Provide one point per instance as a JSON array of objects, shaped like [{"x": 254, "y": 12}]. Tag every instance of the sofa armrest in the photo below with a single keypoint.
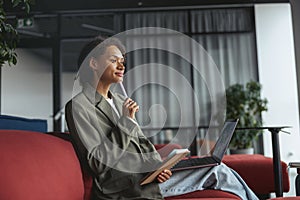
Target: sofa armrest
[
  {"x": 38, "y": 166},
  {"x": 297, "y": 180},
  {"x": 257, "y": 172}
]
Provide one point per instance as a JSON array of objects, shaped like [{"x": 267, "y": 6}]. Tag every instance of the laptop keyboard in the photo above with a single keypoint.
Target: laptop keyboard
[{"x": 194, "y": 162}]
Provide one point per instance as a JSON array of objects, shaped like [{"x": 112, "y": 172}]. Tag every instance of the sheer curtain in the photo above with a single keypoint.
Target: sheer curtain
[
  {"x": 228, "y": 37},
  {"x": 157, "y": 77}
]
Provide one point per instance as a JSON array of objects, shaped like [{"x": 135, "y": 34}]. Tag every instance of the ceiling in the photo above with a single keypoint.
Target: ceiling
[
  {"x": 72, "y": 31},
  {"x": 80, "y": 5},
  {"x": 70, "y": 24}
]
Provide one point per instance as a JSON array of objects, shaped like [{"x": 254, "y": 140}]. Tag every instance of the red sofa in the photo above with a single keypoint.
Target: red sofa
[{"x": 39, "y": 166}]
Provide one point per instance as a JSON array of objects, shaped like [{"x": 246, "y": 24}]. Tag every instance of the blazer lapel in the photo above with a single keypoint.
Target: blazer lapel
[
  {"x": 100, "y": 103},
  {"x": 107, "y": 110},
  {"x": 118, "y": 103}
]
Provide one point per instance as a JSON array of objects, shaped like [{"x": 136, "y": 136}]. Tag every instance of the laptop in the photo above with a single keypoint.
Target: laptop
[{"x": 215, "y": 156}]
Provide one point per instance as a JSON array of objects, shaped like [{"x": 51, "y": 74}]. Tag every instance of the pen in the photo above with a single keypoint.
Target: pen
[{"x": 123, "y": 90}]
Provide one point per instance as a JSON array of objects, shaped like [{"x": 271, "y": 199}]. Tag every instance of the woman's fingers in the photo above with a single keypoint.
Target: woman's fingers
[
  {"x": 168, "y": 172},
  {"x": 127, "y": 102},
  {"x": 164, "y": 176},
  {"x": 161, "y": 178},
  {"x": 131, "y": 107}
]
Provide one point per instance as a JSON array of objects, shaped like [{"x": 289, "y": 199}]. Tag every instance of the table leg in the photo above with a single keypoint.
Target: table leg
[{"x": 277, "y": 163}]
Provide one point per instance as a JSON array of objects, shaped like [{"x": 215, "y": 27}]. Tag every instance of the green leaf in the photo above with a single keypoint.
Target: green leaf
[
  {"x": 16, "y": 2},
  {"x": 27, "y": 8},
  {"x": 14, "y": 60}
]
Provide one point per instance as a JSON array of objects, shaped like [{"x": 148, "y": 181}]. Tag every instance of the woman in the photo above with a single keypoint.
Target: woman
[{"x": 111, "y": 145}]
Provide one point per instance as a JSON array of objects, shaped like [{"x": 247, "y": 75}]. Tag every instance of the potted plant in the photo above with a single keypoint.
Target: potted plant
[
  {"x": 8, "y": 33},
  {"x": 245, "y": 103}
]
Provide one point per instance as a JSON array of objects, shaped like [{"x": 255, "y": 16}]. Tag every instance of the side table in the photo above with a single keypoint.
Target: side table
[{"x": 276, "y": 153}]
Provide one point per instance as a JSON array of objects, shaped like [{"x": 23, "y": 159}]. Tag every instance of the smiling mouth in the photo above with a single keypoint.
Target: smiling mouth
[{"x": 119, "y": 74}]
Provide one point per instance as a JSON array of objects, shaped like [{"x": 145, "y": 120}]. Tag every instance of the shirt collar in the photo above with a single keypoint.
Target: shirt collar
[{"x": 92, "y": 94}]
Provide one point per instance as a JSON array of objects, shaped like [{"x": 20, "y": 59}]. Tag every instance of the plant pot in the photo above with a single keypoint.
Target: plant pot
[{"x": 242, "y": 151}]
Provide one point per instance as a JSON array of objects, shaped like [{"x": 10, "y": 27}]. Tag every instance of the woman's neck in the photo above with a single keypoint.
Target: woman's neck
[{"x": 103, "y": 89}]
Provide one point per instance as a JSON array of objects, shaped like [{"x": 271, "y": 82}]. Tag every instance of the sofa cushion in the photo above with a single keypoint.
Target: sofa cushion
[
  {"x": 87, "y": 178},
  {"x": 286, "y": 198},
  {"x": 257, "y": 171},
  {"x": 205, "y": 194},
  {"x": 38, "y": 166}
]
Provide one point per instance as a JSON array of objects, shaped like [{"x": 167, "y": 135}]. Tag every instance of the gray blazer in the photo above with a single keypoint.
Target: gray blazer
[{"x": 112, "y": 148}]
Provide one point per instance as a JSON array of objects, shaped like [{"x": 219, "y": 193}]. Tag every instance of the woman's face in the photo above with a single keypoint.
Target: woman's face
[{"x": 112, "y": 62}]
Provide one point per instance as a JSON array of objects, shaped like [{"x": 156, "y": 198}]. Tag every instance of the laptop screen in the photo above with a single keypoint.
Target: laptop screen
[{"x": 224, "y": 138}]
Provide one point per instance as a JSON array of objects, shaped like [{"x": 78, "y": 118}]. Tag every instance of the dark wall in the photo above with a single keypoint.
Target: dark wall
[
  {"x": 296, "y": 25},
  {"x": 82, "y": 5}
]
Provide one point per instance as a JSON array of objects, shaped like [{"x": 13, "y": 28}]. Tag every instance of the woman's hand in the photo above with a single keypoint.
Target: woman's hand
[
  {"x": 130, "y": 107},
  {"x": 164, "y": 176}
]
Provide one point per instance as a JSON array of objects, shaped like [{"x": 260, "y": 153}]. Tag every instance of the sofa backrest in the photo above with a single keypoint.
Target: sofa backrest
[
  {"x": 21, "y": 123},
  {"x": 38, "y": 166}
]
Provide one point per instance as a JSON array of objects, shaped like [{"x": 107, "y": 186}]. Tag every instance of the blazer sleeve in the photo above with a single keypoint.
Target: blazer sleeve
[{"x": 104, "y": 146}]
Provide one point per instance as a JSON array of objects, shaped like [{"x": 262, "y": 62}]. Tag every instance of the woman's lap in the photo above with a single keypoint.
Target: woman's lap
[{"x": 218, "y": 177}]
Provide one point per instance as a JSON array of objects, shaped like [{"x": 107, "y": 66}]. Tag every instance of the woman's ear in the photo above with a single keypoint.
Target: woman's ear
[{"x": 93, "y": 63}]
